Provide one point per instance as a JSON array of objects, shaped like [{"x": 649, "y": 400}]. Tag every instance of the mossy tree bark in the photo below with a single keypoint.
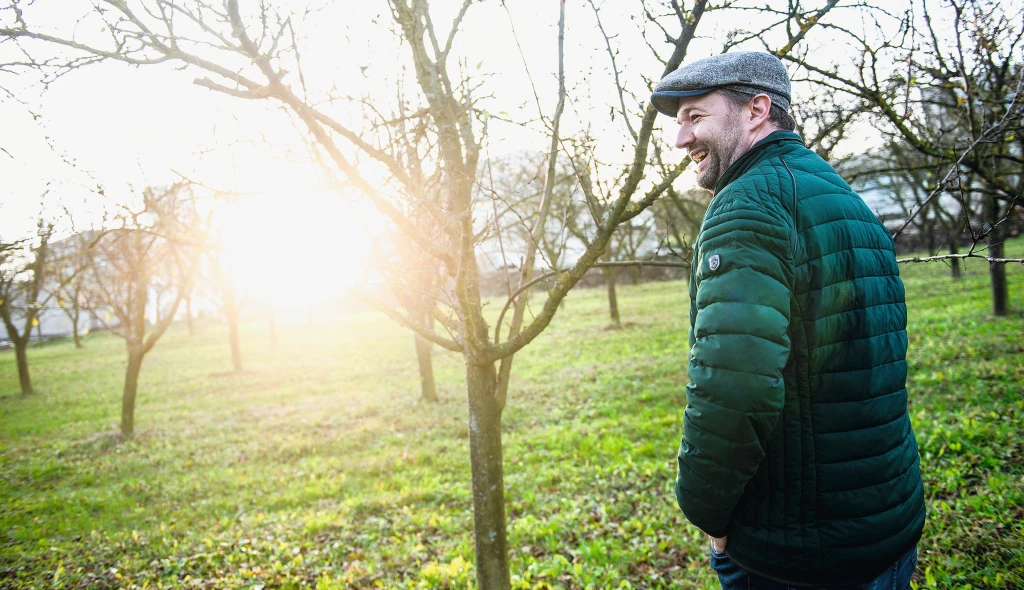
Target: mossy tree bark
[{"x": 489, "y": 531}]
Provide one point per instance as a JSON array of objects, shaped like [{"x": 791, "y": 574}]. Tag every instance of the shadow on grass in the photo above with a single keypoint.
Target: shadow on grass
[
  {"x": 242, "y": 373},
  {"x": 16, "y": 395}
]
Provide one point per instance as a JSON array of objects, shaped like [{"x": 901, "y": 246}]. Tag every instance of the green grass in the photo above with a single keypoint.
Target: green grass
[{"x": 319, "y": 466}]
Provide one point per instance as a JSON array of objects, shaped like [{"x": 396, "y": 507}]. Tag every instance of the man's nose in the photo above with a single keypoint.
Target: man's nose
[{"x": 685, "y": 136}]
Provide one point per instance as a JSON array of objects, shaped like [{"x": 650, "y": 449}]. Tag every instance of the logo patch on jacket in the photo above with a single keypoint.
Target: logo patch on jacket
[{"x": 714, "y": 261}]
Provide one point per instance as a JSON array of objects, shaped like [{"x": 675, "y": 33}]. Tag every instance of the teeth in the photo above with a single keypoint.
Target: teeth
[{"x": 698, "y": 156}]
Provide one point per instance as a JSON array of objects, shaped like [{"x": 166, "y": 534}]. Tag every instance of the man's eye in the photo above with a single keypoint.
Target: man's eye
[{"x": 695, "y": 118}]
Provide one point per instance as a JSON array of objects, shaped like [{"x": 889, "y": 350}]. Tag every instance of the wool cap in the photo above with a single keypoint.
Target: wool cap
[{"x": 749, "y": 72}]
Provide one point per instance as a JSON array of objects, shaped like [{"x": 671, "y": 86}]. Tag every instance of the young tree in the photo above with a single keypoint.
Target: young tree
[
  {"x": 256, "y": 56},
  {"x": 630, "y": 238},
  {"x": 124, "y": 266},
  {"x": 230, "y": 306},
  {"x": 411, "y": 276},
  {"x": 24, "y": 268},
  {"x": 514, "y": 187},
  {"x": 68, "y": 278},
  {"x": 587, "y": 222},
  {"x": 416, "y": 293}
]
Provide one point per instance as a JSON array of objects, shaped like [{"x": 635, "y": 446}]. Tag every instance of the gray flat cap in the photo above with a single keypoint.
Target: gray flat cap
[{"x": 750, "y": 72}]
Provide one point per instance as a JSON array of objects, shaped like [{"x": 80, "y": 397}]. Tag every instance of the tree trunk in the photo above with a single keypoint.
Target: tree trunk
[
  {"x": 39, "y": 335},
  {"x": 954, "y": 248},
  {"x": 609, "y": 279},
  {"x": 997, "y": 272},
  {"x": 929, "y": 234},
  {"x": 236, "y": 351},
  {"x": 426, "y": 363},
  {"x": 425, "y": 358},
  {"x": 75, "y": 334},
  {"x": 491, "y": 542},
  {"x": 21, "y": 356},
  {"x": 188, "y": 316},
  {"x": 131, "y": 388},
  {"x": 613, "y": 299}
]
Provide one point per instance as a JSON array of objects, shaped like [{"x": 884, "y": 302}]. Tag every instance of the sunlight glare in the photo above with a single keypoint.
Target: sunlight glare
[{"x": 295, "y": 251}]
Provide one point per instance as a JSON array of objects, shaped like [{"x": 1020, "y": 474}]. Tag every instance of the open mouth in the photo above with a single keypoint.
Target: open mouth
[{"x": 698, "y": 156}]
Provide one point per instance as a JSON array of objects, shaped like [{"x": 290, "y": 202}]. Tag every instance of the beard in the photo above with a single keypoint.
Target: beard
[
  {"x": 721, "y": 154},
  {"x": 708, "y": 179}
]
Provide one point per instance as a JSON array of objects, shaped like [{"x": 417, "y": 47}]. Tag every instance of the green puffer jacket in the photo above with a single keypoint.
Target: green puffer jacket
[{"x": 796, "y": 438}]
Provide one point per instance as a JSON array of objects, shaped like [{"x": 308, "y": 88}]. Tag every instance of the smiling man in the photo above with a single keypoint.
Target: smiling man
[{"x": 797, "y": 458}]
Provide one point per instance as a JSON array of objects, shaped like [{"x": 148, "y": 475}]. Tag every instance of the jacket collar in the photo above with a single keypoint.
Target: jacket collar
[{"x": 754, "y": 155}]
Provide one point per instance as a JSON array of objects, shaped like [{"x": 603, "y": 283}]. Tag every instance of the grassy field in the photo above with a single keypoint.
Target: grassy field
[{"x": 319, "y": 466}]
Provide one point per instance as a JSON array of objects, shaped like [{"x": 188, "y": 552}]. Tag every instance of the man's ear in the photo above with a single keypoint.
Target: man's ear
[{"x": 760, "y": 105}]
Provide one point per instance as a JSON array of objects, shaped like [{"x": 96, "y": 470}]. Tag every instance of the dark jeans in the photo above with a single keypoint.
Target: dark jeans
[{"x": 733, "y": 577}]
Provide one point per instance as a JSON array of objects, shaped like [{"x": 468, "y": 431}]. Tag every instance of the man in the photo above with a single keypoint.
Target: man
[{"x": 797, "y": 455}]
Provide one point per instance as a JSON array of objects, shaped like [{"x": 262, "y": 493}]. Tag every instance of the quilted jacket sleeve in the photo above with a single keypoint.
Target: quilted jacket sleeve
[{"x": 739, "y": 346}]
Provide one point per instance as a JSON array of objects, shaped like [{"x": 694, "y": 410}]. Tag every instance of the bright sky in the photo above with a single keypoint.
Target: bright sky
[{"x": 128, "y": 127}]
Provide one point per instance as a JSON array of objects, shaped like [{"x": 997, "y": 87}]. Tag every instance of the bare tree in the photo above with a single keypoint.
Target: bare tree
[
  {"x": 514, "y": 186},
  {"x": 824, "y": 120},
  {"x": 256, "y": 56},
  {"x": 598, "y": 196},
  {"x": 420, "y": 306},
  {"x": 24, "y": 268},
  {"x": 122, "y": 272},
  {"x": 67, "y": 279},
  {"x": 229, "y": 304},
  {"x": 412, "y": 276},
  {"x": 946, "y": 83},
  {"x": 413, "y": 285}
]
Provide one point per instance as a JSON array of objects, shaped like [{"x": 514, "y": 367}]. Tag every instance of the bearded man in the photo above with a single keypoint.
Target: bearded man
[{"x": 797, "y": 457}]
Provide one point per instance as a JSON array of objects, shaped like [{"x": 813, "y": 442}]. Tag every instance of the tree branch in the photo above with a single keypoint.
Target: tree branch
[{"x": 406, "y": 322}]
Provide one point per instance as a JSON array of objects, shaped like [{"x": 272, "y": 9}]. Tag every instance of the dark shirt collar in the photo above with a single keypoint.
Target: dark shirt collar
[{"x": 754, "y": 155}]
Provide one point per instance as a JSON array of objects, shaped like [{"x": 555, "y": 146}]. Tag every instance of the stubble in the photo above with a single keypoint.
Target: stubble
[{"x": 721, "y": 154}]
